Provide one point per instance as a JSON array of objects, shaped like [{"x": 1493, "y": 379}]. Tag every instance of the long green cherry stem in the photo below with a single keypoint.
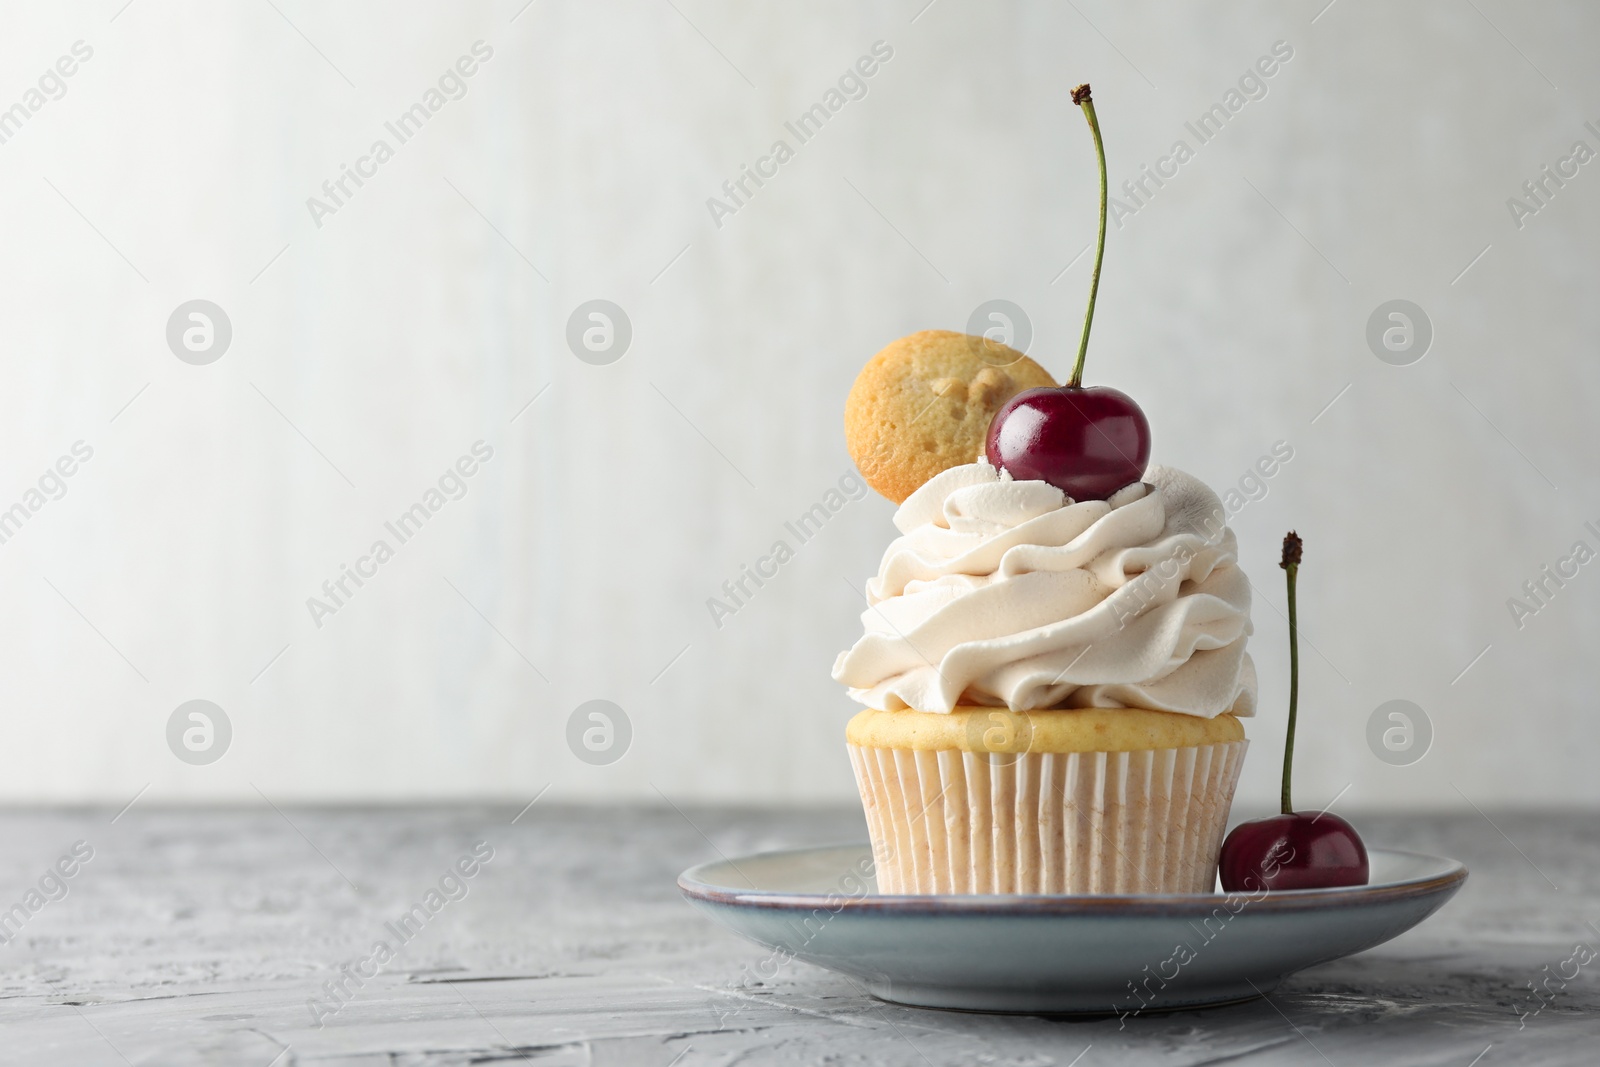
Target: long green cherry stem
[
  {"x": 1080, "y": 96},
  {"x": 1292, "y": 547}
]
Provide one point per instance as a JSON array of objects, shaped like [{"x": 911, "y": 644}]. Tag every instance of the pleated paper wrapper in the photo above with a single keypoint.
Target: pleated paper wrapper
[{"x": 1140, "y": 822}]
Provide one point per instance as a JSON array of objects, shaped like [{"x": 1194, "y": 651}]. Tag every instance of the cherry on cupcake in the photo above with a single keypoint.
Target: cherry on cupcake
[
  {"x": 1087, "y": 442},
  {"x": 1294, "y": 850}
]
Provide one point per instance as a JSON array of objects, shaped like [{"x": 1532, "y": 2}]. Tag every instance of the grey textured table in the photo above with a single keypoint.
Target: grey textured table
[{"x": 213, "y": 936}]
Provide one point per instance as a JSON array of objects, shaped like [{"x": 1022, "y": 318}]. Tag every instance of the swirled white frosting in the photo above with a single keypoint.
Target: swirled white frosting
[{"x": 1007, "y": 593}]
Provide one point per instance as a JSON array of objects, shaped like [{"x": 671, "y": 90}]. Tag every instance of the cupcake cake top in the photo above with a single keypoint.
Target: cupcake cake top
[
  {"x": 1009, "y": 593},
  {"x": 1059, "y": 570}
]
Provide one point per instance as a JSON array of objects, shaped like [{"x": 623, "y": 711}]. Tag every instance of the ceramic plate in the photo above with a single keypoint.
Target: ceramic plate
[{"x": 1099, "y": 954}]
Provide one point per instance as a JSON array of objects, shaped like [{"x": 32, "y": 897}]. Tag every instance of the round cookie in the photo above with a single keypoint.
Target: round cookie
[{"x": 924, "y": 403}]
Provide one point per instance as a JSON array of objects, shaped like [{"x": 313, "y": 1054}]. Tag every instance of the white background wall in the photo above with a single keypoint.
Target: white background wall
[{"x": 370, "y": 352}]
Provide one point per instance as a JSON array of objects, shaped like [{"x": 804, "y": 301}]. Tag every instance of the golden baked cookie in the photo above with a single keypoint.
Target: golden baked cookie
[{"x": 924, "y": 403}]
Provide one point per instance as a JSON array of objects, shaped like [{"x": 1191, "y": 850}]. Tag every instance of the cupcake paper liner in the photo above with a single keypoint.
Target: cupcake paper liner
[{"x": 1149, "y": 821}]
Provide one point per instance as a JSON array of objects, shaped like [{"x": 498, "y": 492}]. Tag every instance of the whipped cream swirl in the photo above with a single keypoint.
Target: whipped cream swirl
[{"x": 1007, "y": 593}]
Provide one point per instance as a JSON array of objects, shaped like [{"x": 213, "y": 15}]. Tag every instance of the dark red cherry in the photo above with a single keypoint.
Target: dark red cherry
[
  {"x": 1305, "y": 850},
  {"x": 1297, "y": 849},
  {"x": 1086, "y": 442}
]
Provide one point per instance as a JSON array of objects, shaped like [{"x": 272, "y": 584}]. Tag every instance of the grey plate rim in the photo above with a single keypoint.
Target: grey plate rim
[{"x": 695, "y": 886}]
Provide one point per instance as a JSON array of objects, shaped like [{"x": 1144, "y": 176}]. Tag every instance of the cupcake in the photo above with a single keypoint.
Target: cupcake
[
  {"x": 1053, "y": 688},
  {"x": 1054, "y": 660}
]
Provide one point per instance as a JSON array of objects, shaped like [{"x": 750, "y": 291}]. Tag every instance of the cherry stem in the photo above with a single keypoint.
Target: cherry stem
[
  {"x": 1291, "y": 565},
  {"x": 1080, "y": 96}
]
